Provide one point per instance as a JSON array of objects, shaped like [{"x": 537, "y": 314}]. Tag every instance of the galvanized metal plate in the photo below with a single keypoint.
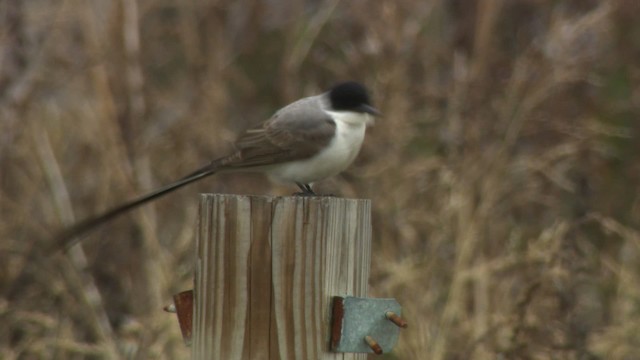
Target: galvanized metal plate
[{"x": 356, "y": 318}]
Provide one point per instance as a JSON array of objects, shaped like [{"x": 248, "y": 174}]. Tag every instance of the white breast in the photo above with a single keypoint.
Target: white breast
[{"x": 336, "y": 157}]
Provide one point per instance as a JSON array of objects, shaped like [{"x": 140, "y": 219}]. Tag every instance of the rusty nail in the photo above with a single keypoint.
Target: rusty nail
[
  {"x": 394, "y": 318},
  {"x": 373, "y": 345}
]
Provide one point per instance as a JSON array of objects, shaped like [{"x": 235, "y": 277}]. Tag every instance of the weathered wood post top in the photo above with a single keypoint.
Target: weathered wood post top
[{"x": 267, "y": 269}]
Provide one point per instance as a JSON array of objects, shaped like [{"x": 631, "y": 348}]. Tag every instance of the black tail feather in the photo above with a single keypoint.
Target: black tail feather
[{"x": 72, "y": 235}]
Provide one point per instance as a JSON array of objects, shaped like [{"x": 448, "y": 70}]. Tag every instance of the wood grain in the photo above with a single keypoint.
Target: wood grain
[{"x": 266, "y": 269}]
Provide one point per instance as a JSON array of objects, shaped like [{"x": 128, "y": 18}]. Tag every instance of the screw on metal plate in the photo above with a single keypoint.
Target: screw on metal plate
[
  {"x": 365, "y": 325},
  {"x": 183, "y": 307}
]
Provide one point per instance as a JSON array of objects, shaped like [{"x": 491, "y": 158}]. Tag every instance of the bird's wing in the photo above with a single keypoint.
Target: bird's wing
[{"x": 296, "y": 132}]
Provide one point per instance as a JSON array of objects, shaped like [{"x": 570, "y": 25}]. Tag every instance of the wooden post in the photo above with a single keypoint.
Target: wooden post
[{"x": 266, "y": 271}]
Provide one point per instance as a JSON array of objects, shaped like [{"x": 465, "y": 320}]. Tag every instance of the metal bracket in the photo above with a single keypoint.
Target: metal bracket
[
  {"x": 183, "y": 307},
  {"x": 365, "y": 325},
  {"x": 359, "y": 325}
]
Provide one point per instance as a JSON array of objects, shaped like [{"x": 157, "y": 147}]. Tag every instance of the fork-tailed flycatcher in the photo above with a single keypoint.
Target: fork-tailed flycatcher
[{"x": 308, "y": 140}]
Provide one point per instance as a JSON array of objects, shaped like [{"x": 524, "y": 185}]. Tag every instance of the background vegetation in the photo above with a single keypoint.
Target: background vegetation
[{"x": 504, "y": 177}]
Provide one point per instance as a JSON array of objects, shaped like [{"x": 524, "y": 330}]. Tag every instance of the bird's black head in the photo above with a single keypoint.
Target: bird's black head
[{"x": 351, "y": 96}]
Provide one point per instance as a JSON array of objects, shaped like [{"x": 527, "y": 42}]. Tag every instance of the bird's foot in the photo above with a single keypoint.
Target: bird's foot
[
  {"x": 312, "y": 194},
  {"x": 308, "y": 191},
  {"x": 305, "y": 194}
]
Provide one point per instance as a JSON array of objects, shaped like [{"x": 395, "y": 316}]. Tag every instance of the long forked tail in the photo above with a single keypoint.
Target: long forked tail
[{"x": 72, "y": 235}]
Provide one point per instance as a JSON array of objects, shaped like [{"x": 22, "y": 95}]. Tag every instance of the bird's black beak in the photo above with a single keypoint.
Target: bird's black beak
[{"x": 365, "y": 108}]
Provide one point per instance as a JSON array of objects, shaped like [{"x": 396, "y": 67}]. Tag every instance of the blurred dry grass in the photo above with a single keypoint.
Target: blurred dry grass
[{"x": 505, "y": 176}]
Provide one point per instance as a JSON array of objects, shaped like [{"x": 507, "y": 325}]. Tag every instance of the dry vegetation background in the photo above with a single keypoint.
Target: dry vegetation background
[{"x": 504, "y": 177}]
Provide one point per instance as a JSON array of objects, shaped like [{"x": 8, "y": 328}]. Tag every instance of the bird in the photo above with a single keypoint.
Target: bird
[{"x": 308, "y": 140}]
